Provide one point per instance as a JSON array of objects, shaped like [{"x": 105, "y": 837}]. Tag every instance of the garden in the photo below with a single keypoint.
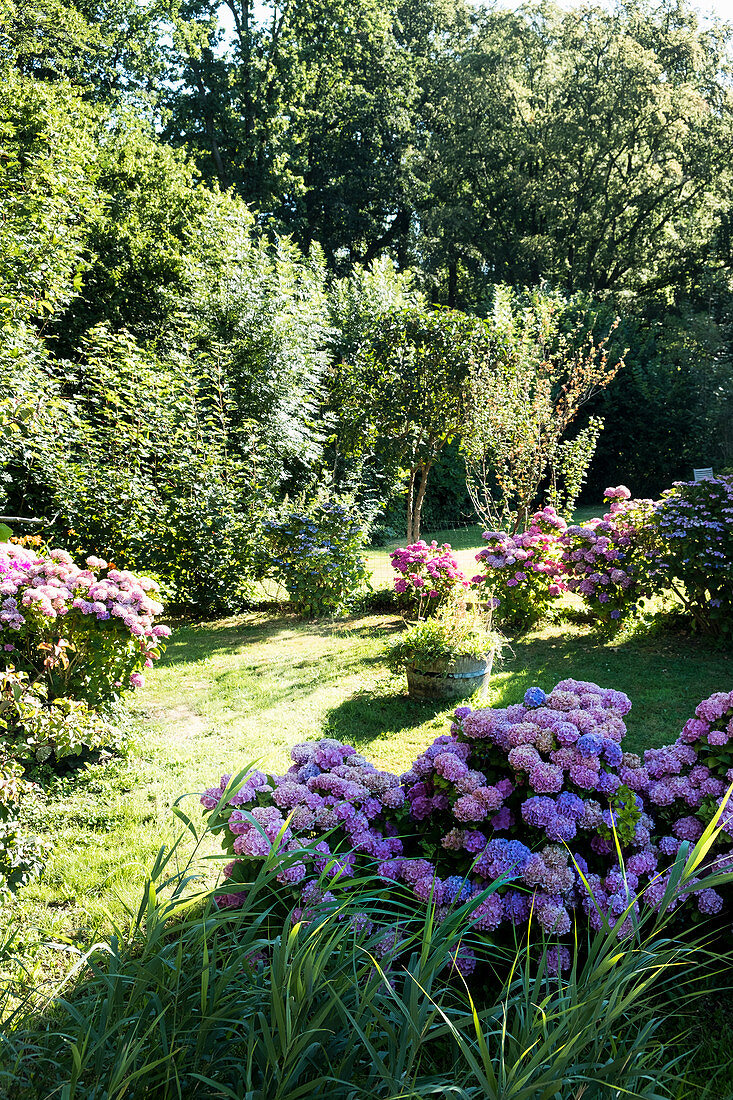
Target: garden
[
  {"x": 366, "y": 551},
  {"x": 276, "y": 870}
]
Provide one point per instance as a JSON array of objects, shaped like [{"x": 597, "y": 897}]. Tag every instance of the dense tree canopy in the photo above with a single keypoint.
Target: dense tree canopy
[
  {"x": 226, "y": 228},
  {"x": 588, "y": 148}
]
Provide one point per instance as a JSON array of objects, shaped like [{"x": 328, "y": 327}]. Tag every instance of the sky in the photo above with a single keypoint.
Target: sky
[
  {"x": 722, "y": 9},
  {"x": 718, "y": 9}
]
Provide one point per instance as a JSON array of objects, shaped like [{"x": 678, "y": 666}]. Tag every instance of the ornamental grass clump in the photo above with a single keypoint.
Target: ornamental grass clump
[
  {"x": 531, "y": 814},
  {"x": 197, "y": 999},
  {"x": 522, "y": 575},
  {"x": 612, "y": 562},
  {"x": 429, "y": 577}
]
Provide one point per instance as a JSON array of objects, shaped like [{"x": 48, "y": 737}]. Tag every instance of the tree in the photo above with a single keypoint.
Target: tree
[
  {"x": 109, "y": 51},
  {"x": 543, "y": 365},
  {"x": 589, "y": 148},
  {"x": 403, "y": 396},
  {"x": 308, "y": 113}
]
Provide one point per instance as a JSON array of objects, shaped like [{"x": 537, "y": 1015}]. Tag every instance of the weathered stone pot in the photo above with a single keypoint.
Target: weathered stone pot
[{"x": 449, "y": 679}]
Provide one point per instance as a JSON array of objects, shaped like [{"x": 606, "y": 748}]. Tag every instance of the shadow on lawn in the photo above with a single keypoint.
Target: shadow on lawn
[
  {"x": 194, "y": 642},
  {"x": 367, "y": 716}
]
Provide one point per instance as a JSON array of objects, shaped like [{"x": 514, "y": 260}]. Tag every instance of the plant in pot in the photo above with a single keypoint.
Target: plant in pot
[{"x": 449, "y": 656}]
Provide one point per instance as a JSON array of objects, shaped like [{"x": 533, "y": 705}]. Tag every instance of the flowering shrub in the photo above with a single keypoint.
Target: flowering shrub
[
  {"x": 686, "y": 783},
  {"x": 86, "y": 633},
  {"x": 522, "y": 574},
  {"x": 695, "y": 525},
  {"x": 611, "y": 561},
  {"x": 21, "y": 856},
  {"x": 531, "y": 800},
  {"x": 34, "y": 726},
  {"x": 429, "y": 576},
  {"x": 317, "y": 554}
]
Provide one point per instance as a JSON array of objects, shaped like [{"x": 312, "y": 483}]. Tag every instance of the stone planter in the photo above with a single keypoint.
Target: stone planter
[{"x": 449, "y": 679}]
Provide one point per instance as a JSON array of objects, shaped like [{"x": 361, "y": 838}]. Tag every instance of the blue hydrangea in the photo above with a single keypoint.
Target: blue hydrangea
[
  {"x": 456, "y": 890},
  {"x": 534, "y": 697},
  {"x": 590, "y": 744},
  {"x": 569, "y": 805},
  {"x": 613, "y": 752}
]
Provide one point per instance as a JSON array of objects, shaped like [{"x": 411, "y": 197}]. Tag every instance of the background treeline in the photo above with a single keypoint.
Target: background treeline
[{"x": 206, "y": 207}]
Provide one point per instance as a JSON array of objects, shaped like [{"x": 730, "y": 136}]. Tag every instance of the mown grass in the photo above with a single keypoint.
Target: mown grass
[
  {"x": 245, "y": 688},
  {"x": 234, "y": 690},
  {"x": 465, "y": 542}
]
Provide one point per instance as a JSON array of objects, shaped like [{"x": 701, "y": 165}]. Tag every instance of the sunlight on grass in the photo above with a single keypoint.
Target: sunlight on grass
[{"x": 247, "y": 688}]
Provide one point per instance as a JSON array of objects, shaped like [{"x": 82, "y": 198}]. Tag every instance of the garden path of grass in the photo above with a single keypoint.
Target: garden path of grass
[{"x": 235, "y": 690}]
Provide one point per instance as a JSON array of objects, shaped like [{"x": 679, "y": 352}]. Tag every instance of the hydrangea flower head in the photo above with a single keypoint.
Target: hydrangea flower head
[{"x": 534, "y": 697}]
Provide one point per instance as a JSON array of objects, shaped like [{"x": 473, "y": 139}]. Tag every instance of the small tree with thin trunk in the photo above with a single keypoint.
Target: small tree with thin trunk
[
  {"x": 520, "y": 401},
  {"x": 403, "y": 396}
]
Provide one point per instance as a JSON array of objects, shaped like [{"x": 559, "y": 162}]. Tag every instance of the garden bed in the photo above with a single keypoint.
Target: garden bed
[{"x": 236, "y": 690}]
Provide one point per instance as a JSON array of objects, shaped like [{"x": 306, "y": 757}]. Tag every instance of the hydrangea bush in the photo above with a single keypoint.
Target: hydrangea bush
[
  {"x": 21, "y": 856},
  {"x": 522, "y": 573},
  {"x": 86, "y": 633},
  {"x": 611, "y": 562},
  {"x": 687, "y": 783},
  {"x": 429, "y": 577},
  {"x": 694, "y": 521},
  {"x": 533, "y": 801},
  {"x": 317, "y": 554}
]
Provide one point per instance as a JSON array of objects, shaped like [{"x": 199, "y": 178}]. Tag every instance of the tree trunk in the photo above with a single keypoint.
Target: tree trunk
[
  {"x": 452, "y": 283},
  {"x": 410, "y": 505},
  {"x": 424, "y": 472}
]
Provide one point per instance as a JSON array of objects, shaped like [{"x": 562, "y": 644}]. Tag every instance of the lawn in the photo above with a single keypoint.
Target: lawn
[
  {"x": 245, "y": 688},
  {"x": 465, "y": 542},
  {"x": 234, "y": 690}
]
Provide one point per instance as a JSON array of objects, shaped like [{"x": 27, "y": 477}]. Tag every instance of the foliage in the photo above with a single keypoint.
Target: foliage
[
  {"x": 47, "y": 194},
  {"x": 523, "y": 574},
  {"x": 612, "y": 562},
  {"x": 159, "y": 445},
  {"x": 454, "y": 632},
  {"x": 167, "y": 175},
  {"x": 570, "y": 466},
  {"x": 694, "y": 522},
  {"x": 87, "y": 633},
  {"x": 485, "y": 815},
  {"x": 148, "y": 232},
  {"x": 316, "y": 552},
  {"x": 404, "y": 394},
  {"x": 522, "y": 398},
  {"x": 354, "y": 302},
  {"x": 37, "y": 728},
  {"x": 258, "y": 317},
  {"x": 668, "y": 411},
  {"x": 264, "y": 1004},
  {"x": 544, "y": 157},
  {"x": 147, "y": 472},
  {"x": 306, "y": 112},
  {"x": 429, "y": 576},
  {"x": 21, "y": 856}
]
